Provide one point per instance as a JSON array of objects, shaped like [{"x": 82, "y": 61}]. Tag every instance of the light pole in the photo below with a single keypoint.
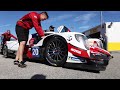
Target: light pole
[{"x": 101, "y": 18}]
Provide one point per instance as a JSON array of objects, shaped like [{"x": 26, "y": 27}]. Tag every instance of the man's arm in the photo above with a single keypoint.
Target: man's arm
[
  {"x": 13, "y": 36},
  {"x": 3, "y": 34},
  {"x": 37, "y": 25}
]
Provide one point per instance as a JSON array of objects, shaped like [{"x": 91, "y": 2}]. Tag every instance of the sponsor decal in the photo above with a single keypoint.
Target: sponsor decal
[
  {"x": 69, "y": 38},
  {"x": 75, "y": 50},
  {"x": 77, "y": 58}
]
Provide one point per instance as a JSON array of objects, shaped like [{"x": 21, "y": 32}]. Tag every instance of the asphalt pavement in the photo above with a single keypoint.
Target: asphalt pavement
[{"x": 38, "y": 70}]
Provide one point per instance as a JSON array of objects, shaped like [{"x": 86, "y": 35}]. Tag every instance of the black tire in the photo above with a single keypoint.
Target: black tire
[
  {"x": 1, "y": 49},
  {"x": 5, "y": 51},
  {"x": 56, "y": 51}
]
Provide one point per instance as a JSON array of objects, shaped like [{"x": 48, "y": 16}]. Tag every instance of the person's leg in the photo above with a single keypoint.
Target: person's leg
[
  {"x": 16, "y": 62},
  {"x": 23, "y": 43},
  {"x": 22, "y": 35},
  {"x": 21, "y": 50},
  {"x": 17, "y": 55}
]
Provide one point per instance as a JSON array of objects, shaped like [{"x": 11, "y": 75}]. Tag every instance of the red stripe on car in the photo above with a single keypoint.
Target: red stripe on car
[{"x": 77, "y": 51}]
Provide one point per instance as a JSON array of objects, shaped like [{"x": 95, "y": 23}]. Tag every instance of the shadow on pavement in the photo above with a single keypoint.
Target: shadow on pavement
[
  {"x": 67, "y": 67},
  {"x": 38, "y": 76},
  {"x": 38, "y": 61},
  {"x": 81, "y": 69}
]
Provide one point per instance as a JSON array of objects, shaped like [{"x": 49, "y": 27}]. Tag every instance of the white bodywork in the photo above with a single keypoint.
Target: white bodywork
[
  {"x": 70, "y": 38},
  {"x": 67, "y": 36},
  {"x": 12, "y": 45}
]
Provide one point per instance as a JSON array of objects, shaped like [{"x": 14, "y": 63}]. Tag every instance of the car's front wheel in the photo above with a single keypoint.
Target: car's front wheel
[
  {"x": 5, "y": 51},
  {"x": 56, "y": 51}
]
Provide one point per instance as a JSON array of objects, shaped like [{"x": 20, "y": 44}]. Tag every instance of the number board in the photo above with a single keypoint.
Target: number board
[{"x": 35, "y": 51}]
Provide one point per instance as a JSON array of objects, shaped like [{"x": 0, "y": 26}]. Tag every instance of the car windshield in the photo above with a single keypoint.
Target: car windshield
[{"x": 65, "y": 29}]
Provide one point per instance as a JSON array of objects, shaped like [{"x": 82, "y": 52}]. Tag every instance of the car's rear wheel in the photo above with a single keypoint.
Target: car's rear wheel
[
  {"x": 5, "y": 51},
  {"x": 56, "y": 51}
]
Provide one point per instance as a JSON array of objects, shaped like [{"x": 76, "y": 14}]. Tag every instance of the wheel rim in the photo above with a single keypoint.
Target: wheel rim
[{"x": 56, "y": 50}]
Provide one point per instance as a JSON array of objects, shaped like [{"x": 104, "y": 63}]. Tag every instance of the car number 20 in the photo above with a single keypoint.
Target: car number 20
[{"x": 35, "y": 51}]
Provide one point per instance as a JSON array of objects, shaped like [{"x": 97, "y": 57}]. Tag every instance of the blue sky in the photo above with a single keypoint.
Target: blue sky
[{"x": 77, "y": 21}]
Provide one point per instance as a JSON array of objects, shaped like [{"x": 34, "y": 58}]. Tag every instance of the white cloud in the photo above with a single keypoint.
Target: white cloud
[
  {"x": 5, "y": 25},
  {"x": 64, "y": 17},
  {"x": 85, "y": 18},
  {"x": 84, "y": 27},
  {"x": 58, "y": 18}
]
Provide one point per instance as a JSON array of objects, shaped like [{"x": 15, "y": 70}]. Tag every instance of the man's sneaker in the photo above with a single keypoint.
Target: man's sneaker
[
  {"x": 22, "y": 64},
  {"x": 16, "y": 62}
]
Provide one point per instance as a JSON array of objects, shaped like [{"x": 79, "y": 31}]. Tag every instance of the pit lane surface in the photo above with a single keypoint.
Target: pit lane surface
[{"x": 38, "y": 70}]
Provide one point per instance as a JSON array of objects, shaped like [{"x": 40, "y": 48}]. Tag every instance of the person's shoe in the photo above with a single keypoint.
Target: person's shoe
[
  {"x": 22, "y": 64},
  {"x": 16, "y": 62}
]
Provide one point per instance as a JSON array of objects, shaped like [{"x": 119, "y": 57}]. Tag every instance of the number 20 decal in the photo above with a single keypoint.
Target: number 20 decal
[{"x": 35, "y": 51}]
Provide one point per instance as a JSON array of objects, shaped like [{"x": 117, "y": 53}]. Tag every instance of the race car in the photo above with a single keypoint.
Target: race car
[{"x": 62, "y": 48}]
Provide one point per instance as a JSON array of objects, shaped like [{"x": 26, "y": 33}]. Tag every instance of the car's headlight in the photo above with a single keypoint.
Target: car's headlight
[{"x": 83, "y": 39}]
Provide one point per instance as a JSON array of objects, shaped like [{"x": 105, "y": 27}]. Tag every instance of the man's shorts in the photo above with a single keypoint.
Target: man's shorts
[{"x": 22, "y": 34}]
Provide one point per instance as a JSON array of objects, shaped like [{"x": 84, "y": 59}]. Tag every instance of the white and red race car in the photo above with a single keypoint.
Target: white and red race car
[{"x": 62, "y": 48}]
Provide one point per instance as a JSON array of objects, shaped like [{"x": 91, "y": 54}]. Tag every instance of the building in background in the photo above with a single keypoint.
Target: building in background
[{"x": 110, "y": 31}]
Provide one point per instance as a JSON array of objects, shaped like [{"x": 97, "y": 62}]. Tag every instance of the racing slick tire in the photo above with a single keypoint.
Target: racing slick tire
[
  {"x": 56, "y": 51},
  {"x": 5, "y": 51}
]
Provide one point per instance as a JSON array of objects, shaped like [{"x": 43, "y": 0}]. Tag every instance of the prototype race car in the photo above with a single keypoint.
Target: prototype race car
[{"x": 62, "y": 48}]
